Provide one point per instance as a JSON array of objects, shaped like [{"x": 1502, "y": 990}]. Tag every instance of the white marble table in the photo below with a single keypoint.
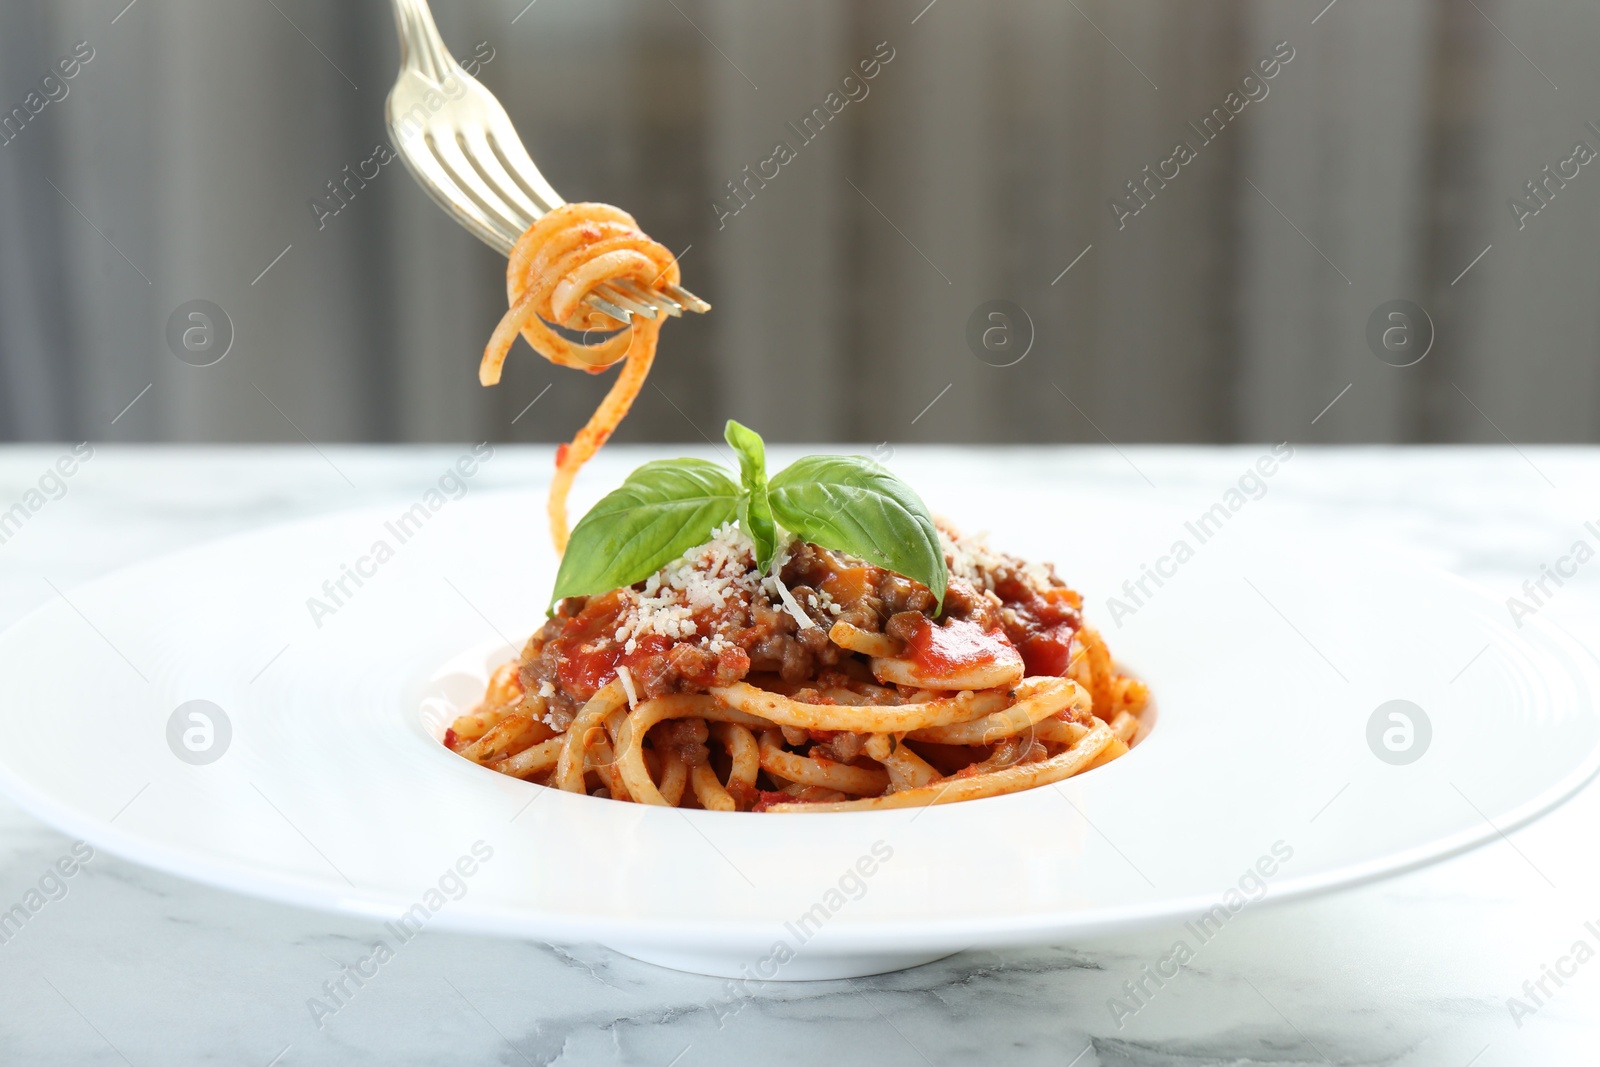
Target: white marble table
[{"x": 133, "y": 966}]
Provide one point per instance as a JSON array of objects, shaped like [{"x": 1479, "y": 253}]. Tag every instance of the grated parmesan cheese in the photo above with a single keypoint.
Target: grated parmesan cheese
[
  {"x": 971, "y": 559},
  {"x": 773, "y": 585},
  {"x": 790, "y": 604},
  {"x": 709, "y": 576},
  {"x": 625, "y": 676}
]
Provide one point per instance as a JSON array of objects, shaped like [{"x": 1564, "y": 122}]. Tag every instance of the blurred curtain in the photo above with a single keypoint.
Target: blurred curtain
[{"x": 183, "y": 161}]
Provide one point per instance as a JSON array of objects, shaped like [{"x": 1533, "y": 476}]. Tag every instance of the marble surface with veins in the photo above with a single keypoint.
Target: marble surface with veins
[{"x": 133, "y": 966}]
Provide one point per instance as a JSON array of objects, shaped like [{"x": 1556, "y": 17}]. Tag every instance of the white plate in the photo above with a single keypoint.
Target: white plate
[{"x": 1267, "y": 656}]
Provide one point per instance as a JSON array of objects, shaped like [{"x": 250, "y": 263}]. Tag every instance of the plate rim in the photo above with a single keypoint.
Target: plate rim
[{"x": 842, "y": 936}]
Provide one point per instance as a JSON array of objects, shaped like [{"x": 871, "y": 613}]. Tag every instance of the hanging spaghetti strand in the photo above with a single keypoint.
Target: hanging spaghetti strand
[{"x": 554, "y": 265}]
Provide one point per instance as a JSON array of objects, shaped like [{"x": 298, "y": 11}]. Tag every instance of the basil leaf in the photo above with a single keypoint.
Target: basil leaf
[
  {"x": 665, "y": 508},
  {"x": 851, "y": 504},
  {"x": 755, "y": 510}
]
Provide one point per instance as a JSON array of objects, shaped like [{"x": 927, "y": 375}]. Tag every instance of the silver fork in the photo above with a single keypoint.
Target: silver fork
[{"x": 458, "y": 142}]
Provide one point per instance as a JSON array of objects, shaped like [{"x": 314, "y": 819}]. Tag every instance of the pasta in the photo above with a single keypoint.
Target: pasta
[
  {"x": 553, "y": 266},
  {"x": 702, "y": 687}
]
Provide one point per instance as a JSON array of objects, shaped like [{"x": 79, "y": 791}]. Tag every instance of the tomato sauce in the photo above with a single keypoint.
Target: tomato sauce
[
  {"x": 589, "y": 653},
  {"x": 1045, "y": 625},
  {"x": 956, "y": 646},
  {"x": 591, "y": 665}
]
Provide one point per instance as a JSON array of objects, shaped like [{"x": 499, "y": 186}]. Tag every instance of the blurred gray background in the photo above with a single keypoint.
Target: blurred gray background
[{"x": 182, "y": 162}]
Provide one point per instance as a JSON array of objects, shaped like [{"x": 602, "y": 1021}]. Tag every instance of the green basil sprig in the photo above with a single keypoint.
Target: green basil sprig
[
  {"x": 666, "y": 507},
  {"x": 755, "y": 509},
  {"x": 663, "y": 509},
  {"x": 851, "y": 504}
]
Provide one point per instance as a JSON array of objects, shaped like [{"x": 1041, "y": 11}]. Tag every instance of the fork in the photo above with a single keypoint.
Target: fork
[{"x": 460, "y": 146}]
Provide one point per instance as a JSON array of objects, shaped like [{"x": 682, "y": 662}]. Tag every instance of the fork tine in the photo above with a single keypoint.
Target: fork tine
[
  {"x": 471, "y": 162},
  {"x": 507, "y": 219},
  {"x": 461, "y": 177},
  {"x": 599, "y": 302},
  {"x": 649, "y": 296},
  {"x": 686, "y": 298},
  {"x": 475, "y": 149},
  {"x": 513, "y": 203},
  {"x": 515, "y": 161},
  {"x": 441, "y": 188},
  {"x": 612, "y": 292}
]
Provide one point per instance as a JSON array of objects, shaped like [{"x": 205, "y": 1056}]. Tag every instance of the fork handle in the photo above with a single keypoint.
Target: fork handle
[{"x": 420, "y": 40}]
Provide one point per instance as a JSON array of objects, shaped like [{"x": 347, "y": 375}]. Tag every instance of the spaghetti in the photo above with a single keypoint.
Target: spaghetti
[
  {"x": 553, "y": 266},
  {"x": 827, "y": 684}
]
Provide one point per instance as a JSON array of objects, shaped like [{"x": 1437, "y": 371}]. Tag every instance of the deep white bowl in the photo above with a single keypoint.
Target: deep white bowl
[{"x": 1268, "y": 654}]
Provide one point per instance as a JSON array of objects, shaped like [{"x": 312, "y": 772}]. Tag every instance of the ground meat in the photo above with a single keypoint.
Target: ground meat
[
  {"x": 561, "y": 710},
  {"x": 579, "y": 649},
  {"x": 866, "y": 595},
  {"x": 778, "y": 645},
  {"x": 851, "y": 584},
  {"x": 841, "y": 747},
  {"x": 962, "y": 600},
  {"x": 768, "y": 636},
  {"x": 686, "y": 667},
  {"x": 703, "y": 669},
  {"x": 816, "y": 641},
  {"x": 584, "y": 628},
  {"x": 529, "y": 672},
  {"x": 904, "y": 625},
  {"x": 809, "y": 565},
  {"x": 902, "y": 594},
  {"x": 865, "y": 614},
  {"x": 796, "y": 665},
  {"x": 686, "y": 737}
]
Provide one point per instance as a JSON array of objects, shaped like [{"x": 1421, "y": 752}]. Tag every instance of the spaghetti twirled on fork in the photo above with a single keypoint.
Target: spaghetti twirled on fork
[
  {"x": 824, "y": 684},
  {"x": 554, "y": 265}
]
